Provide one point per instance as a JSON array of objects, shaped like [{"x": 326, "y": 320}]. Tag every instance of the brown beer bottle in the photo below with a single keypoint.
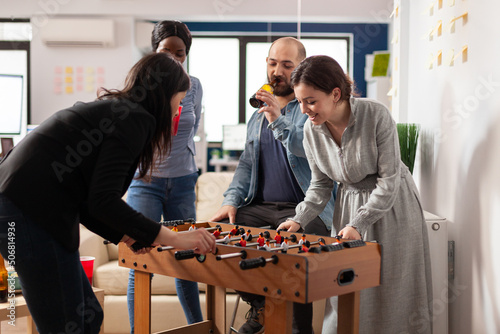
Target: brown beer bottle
[
  {"x": 256, "y": 103},
  {"x": 4, "y": 285}
]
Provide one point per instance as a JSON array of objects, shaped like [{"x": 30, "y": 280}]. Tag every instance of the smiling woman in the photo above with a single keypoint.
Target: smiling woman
[{"x": 354, "y": 142}]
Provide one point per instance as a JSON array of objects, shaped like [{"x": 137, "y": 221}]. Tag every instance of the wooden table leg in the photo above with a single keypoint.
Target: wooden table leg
[
  {"x": 216, "y": 308},
  {"x": 31, "y": 327},
  {"x": 142, "y": 304},
  {"x": 278, "y": 316},
  {"x": 348, "y": 313}
]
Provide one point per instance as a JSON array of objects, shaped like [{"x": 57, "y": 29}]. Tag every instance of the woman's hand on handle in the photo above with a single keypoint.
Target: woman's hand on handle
[
  {"x": 350, "y": 232},
  {"x": 289, "y": 226}
]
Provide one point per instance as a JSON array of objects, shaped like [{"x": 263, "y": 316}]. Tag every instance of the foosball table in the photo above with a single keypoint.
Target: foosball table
[{"x": 304, "y": 269}]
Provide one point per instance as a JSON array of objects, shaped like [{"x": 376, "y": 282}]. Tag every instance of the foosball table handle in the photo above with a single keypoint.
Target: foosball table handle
[
  {"x": 257, "y": 262},
  {"x": 185, "y": 254}
]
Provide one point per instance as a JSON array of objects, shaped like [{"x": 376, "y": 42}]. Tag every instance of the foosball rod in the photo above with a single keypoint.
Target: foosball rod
[{"x": 242, "y": 254}]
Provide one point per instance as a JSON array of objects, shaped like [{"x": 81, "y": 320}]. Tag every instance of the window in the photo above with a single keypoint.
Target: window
[
  {"x": 231, "y": 69},
  {"x": 215, "y": 61}
]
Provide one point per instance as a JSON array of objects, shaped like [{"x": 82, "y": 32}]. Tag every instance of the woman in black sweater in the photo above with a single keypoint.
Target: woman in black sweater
[{"x": 74, "y": 168}]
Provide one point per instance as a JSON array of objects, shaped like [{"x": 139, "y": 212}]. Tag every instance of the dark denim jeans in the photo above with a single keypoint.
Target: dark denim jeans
[
  {"x": 172, "y": 198},
  {"x": 59, "y": 296},
  {"x": 273, "y": 214}
]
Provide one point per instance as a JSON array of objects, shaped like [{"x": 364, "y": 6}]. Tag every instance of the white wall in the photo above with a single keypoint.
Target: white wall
[
  {"x": 117, "y": 61},
  {"x": 192, "y": 10},
  {"x": 457, "y": 171}
]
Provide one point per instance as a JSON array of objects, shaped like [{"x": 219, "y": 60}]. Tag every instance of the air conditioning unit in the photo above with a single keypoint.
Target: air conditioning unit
[{"x": 78, "y": 33}]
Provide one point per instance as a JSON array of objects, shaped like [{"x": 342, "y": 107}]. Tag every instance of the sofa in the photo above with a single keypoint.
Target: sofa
[{"x": 166, "y": 311}]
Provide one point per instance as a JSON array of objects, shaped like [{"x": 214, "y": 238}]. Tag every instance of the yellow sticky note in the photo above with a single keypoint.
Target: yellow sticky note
[
  {"x": 465, "y": 53},
  {"x": 69, "y": 90},
  {"x": 89, "y": 70},
  {"x": 430, "y": 60},
  {"x": 89, "y": 88},
  {"x": 430, "y": 9},
  {"x": 395, "y": 38},
  {"x": 68, "y": 70},
  {"x": 451, "y": 26},
  {"x": 394, "y": 12},
  {"x": 451, "y": 3},
  {"x": 391, "y": 91},
  {"x": 89, "y": 79},
  {"x": 439, "y": 57},
  {"x": 68, "y": 79},
  {"x": 450, "y": 57}
]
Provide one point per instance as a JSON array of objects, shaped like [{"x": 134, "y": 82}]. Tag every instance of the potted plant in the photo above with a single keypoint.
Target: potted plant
[{"x": 408, "y": 140}]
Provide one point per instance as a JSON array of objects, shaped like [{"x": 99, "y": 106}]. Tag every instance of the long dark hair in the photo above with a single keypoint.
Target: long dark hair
[
  {"x": 323, "y": 73},
  {"x": 165, "y": 29},
  {"x": 151, "y": 83}
]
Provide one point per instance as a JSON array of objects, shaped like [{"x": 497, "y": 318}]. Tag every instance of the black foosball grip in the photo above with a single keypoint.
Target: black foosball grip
[
  {"x": 354, "y": 243},
  {"x": 185, "y": 254},
  {"x": 332, "y": 247},
  {"x": 252, "y": 263}
]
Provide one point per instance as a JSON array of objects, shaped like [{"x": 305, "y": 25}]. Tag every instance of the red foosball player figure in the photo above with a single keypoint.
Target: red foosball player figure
[
  {"x": 242, "y": 242},
  {"x": 302, "y": 239},
  {"x": 305, "y": 247},
  {"x": 192, "y": 227},
  {"x": 175, "y": 228},
  {"x": 217, "y": 232},
  {"x": 278, "y": 238},
  {"x": 248, "y": 235},
  {"x": 234, "y": 230},
  {"x": 284, "y": 245},
  {"x": 261, "y": 240}
]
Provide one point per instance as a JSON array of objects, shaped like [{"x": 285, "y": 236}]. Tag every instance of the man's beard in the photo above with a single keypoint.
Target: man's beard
[{"x": 282, "y": 90}]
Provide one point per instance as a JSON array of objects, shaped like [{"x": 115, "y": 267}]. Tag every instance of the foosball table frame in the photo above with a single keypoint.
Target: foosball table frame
[{"x": 295, "y": 277}]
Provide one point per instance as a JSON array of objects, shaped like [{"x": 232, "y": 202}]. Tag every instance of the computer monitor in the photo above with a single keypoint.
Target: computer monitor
[
  {"x": 11, "y": 104},
  {"x": 11, "y": 110},
  {"x": 234, "y": 137}
]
